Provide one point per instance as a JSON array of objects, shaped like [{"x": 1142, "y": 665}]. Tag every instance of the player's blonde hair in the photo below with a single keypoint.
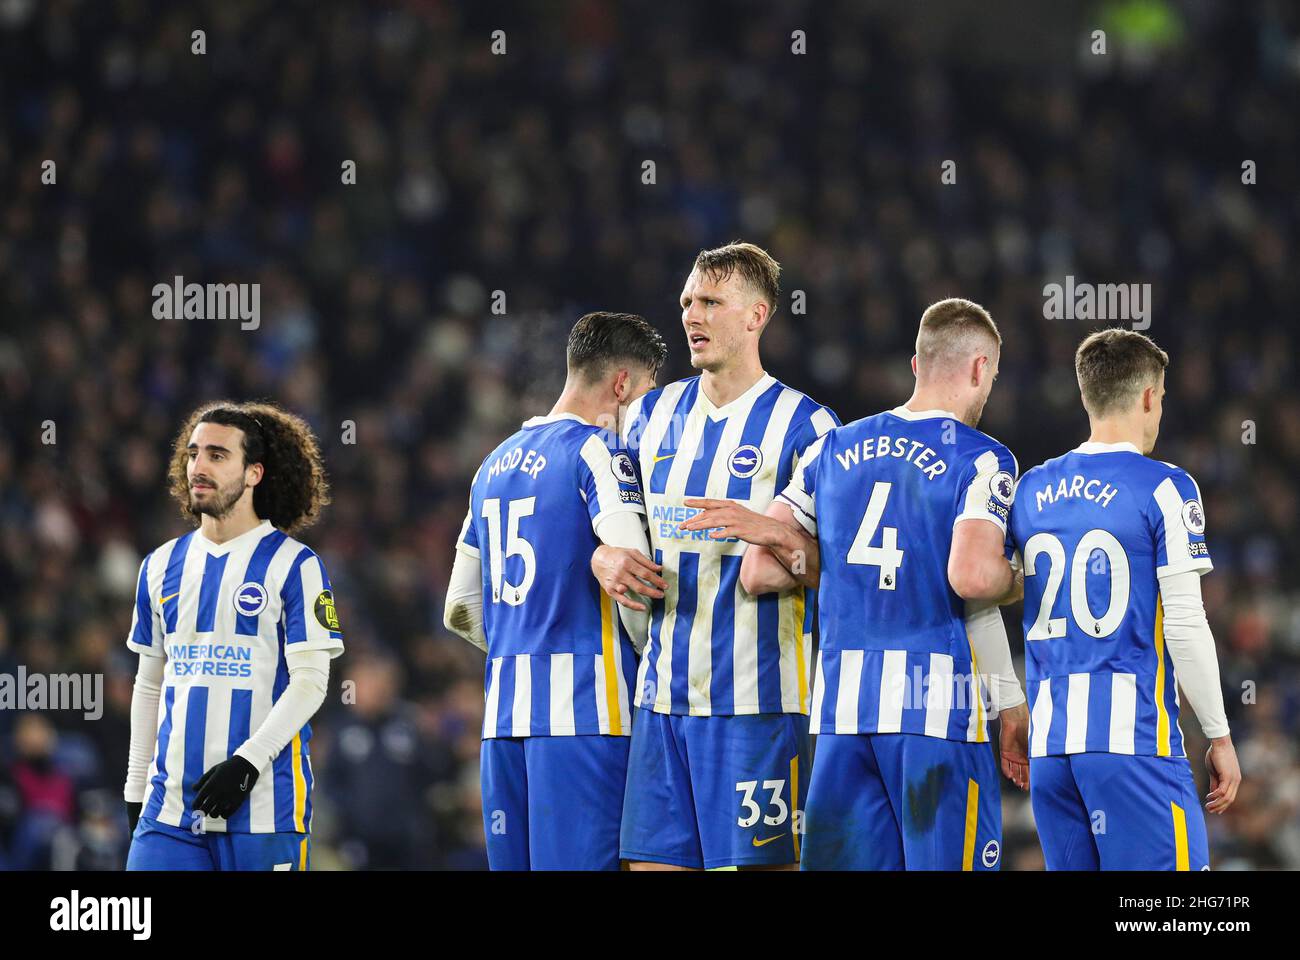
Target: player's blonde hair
[
  {"x": 754, "y": 264},
  {"x": 953, "y": 330}
]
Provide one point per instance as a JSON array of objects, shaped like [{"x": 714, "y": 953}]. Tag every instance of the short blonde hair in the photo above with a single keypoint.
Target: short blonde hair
[
  {"x": 754, "y": 264},
  {"x": 952, "y": 330}
]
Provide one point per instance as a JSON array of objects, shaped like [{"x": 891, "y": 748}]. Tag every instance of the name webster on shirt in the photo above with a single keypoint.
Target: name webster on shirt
[{"x": 904, "y": 448}]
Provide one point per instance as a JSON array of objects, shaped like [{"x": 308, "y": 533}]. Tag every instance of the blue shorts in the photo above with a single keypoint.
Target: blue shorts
[
  {"x": 716, "y": 791},
  {"x": 157, "y": 846},
  {"x": 1109, "y": 811},
  {"x": 553, "y": 803},
  {"x": 903, "y": 801}
]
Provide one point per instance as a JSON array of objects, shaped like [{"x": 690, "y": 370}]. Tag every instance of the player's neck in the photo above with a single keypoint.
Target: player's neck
[
  {"x": 574, "y": 402},
  {"x": 726, "y": 384},
  {"x": 1116, "y": 431},
  {"x": 934, "y": 398},
  {"x": 237, "y": 522}
]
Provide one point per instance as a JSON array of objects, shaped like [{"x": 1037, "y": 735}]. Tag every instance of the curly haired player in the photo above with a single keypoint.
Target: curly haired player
[{"x": 235, "y": 626}]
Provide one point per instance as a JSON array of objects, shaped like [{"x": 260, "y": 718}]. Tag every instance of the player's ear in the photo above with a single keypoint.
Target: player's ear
[
  {"x": 913, "y": 364},
  {"x": 759, "y": 316},
  {"x": 253, "y": 474},
  {"x": 623, "y": 385}
]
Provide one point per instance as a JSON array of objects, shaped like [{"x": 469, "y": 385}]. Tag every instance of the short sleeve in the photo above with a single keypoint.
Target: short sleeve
[
  {"x": 310, "y": 619},
  {"x": 467, "y": 541},
  {"x": 608, "y": 480},
  {"x": 988, "y": 488},
  {"x": 800, "y": 493},
  {"x": 146, "y": 635},
  {"x": 1177, "y": 520}
]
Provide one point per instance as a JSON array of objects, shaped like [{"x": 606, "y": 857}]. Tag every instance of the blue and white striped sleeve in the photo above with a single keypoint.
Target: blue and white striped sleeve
[
  {"x": 310, "y": 620},
  {"x": 801, "y": 492},
  {"x": 1177, "y": 520},
  {"x": 608, "y": 480},
  {"x": 146, "y": 634},
  {"x": 467, "y": 540},
  {"x": 990, "y": 489}
]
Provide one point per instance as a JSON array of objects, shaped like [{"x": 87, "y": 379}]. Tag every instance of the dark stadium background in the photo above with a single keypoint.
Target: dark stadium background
[{"x": 522, "y": 173}]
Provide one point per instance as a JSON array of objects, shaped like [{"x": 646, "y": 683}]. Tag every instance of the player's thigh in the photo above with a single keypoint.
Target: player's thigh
[
  {"x": 575, "y": 801},
  {"x": 1061, "y": 816},
  {"x": 947, "y": 796},
  {"x": 503, "y": 786},
  {"x": 263, "y": 851},
  {"x": 849, "y": 822},
  {"x": 156, "y": 846},
  {"x": 1145, "y": 811},
  {"x": 749, "y": 776},
  {"x": 659, "y": 824}
]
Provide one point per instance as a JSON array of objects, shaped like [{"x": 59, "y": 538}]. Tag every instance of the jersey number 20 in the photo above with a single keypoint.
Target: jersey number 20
[{"x": 1047, "y": 627}]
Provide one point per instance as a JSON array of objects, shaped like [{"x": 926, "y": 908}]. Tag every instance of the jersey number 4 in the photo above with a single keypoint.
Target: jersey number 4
[
  {"x": 515, "y": 546},
  {"x": 887, "y": 556}
]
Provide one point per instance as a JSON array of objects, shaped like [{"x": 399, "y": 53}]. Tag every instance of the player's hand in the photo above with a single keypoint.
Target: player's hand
[
  {"x": 133, "y": 811},
  {"x": 726, "y": 519},
  {"x": 223, "y": 789},
  {"x": 1017, "y": 591},
  {"x": 622, "y": 570},
  {"x": 1014, "y": 744},
  {"x": 1225, "y": 774}
]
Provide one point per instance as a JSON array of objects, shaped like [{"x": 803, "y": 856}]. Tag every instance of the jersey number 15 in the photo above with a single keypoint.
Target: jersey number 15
[{"x": 515, "y": 546}]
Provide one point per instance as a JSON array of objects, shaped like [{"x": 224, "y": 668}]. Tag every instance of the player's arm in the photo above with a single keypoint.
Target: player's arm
[
  {"x": 144, "y": 719},
  {"x": 463, "y": 613},
  {"x": 773, "y": 533},
  {"x": 783, "y": 550},
  {"x": 1177, "y": 522},
  {"x": 1196, "y": 665},
  {"x": 992, "y": 653},
  {"x": 147, "y": 639},
  {"x": 625, "y": 531},
  {"x": 311, "y": 639},
  {"x": 978, "y": 568},
  {"x": 621, "y": 564},
  {"x": 788, "y": 559}
]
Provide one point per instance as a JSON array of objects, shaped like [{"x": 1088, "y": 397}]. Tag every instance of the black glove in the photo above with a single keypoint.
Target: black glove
[
  {"x": 133, "y": 816},
  {"x": 223, "y": 789}
]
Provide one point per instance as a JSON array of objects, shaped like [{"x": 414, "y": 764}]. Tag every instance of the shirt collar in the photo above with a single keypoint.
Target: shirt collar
[
  {"x": 761, "y": 384},
  {"x": 905, "y": 414},
  {"x": 256, "y": 533},
  {"x": 1093, "y": 446},
  {"x": 553, "y": 418}
]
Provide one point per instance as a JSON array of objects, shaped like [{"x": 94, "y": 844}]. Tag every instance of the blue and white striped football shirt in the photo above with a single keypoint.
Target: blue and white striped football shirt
[
  {"x": 882, "y": 495},
  {"x": 559, "y": 661},
  {"x": 1097, "y": 529},
  {"x": 224, "y": 615},
  {"x": 714, "y": 649}
]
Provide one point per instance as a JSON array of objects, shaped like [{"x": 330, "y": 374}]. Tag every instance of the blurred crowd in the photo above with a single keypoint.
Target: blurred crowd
[{"x": 416, "y": 316}]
